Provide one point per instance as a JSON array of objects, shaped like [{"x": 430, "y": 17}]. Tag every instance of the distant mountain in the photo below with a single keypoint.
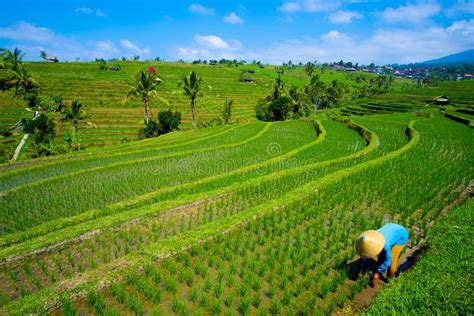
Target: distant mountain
[{"x": 465, "y": 57}]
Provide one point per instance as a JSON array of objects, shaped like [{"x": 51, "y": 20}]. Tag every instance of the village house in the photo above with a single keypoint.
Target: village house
[
  {"x": 468, "y": 77},
  {"x": 52, "y": 59},
  {"x": 441, "y": 100}
]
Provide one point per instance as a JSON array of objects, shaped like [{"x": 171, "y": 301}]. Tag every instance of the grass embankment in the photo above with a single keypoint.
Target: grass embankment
[{"x": 442, "y": 281}]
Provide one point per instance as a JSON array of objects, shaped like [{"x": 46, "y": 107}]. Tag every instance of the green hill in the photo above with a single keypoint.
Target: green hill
[
  {"x": 464, "y": 57},
  {"x": 104, "y": 93}
]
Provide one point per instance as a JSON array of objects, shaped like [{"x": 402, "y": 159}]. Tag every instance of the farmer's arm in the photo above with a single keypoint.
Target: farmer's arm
[{"x": 388, "y": 260}]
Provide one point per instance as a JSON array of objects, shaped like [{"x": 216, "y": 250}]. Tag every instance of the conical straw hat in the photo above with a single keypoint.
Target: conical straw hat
[{"x": 370, "y": 244}]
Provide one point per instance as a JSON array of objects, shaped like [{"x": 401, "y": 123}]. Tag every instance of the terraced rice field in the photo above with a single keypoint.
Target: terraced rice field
[
  {"x": 251, "y": 218},
  {"x": 118, "y": 118}
]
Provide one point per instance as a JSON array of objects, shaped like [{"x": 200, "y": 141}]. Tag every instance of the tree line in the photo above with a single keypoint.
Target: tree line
[{"x": 288, "y": 101}]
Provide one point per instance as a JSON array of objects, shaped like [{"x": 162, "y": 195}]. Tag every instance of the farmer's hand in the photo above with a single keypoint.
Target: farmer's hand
[{"x": 376, "y": 278}]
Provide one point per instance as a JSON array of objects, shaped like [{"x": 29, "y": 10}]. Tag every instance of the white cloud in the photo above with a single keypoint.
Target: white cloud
[
  {"x": 215, "y": 42},
  {"x": 289, "y": 7},
  {"x": 384, "y": 46},
  {"x": 333, "y": 35},
  {"x": 308, "y": 6},
  {"x": 461, "y": 7},
  {"x": 414, "y": 13},
  {"x": 463, "y": 27},
  {"x": 344, "y": 17},
  {"x": 100, "y": 13},
  {"x": 233, "y": 18},
  {"x": 85, "y": 10},
  {"x": 198, "y": 8},
  {"x": 105, "y": 46},
  {"x": 210, "y": 47},
  {"x": 133, "y": 47},
  {"x": 24, "y": 31},
  {"x": 32, "y": 39}
]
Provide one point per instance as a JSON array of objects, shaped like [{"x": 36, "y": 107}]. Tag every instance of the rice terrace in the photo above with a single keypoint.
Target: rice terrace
[{"x": 141, "y": 176}]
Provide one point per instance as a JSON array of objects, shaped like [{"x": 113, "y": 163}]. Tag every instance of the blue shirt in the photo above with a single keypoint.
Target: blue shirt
[{"x": 395, "y": 235}]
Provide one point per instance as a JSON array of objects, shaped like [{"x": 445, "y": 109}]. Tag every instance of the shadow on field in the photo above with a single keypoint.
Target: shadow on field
[
  {"x": 361, "y": 266},
  {"x": 411, "y": 259}
]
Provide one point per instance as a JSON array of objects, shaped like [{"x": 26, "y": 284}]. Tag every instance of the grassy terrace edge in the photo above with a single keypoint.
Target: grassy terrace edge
[
  {"x": 50, "y": 298},
  {"x": 135, "y": 161},
  {"x": 100, "y": 218},
  {"x": 134, "y": 148},
  {"x": 459, "y": 119}
]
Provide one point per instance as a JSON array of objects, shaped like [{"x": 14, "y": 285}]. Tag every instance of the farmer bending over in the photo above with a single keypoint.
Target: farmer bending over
[{"x": 383, "y": 245}]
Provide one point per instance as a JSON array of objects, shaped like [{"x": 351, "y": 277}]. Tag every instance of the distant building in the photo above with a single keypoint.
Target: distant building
[
  {"x": 441, "y": 100},
  {"x": 338, "y": 67},
  {"x": 351, "y": 69},
  {"x": 52, "y": 59},
  {"x": 468, "y": 77}
]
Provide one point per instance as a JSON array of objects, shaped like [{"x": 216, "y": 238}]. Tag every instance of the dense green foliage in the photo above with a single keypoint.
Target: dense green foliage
[
  {"x": 167, "y": 121},
  {"x": 444, "y": 272},
  {"x": 43, "y": 130}
]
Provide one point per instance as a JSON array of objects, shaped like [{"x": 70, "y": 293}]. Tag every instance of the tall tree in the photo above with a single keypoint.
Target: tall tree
[
  {"x": 11, "y": 59},
  {"x": 278, "y": 87},
  {"x": 191, "y": 85},
  {"x": 3, "y": 54},
  {"x": 317, "y": 92},
  {"x": 20, "y": 80},
  {"x": 43, "y": 55},
  {"x": 23, "y": 81},
  {"x": 227, "y": 111},
  {"x": 144, "y": 86},
  {"x": 309, "y": 68},
  {"x": 75, "y": 114},
  {"x": 299, "y": 102}
]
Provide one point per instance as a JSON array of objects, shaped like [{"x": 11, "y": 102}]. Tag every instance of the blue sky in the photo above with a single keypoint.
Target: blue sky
[{"x": 271, "y": 31}]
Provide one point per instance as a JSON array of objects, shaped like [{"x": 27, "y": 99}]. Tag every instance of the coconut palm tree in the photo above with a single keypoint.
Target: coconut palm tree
[
  {"x": 22, "y": 81},
  {"x": 3, "y": 55},
  {"x": 278, "y": 87},
  {"x": 191, "y": 85},
  {"x": 11, "y": 59},
  {"x": 144, "y": 86},
  {"x": 43, "y": 55},
  {"x": 309, "y": 68},
  {"x": 227, "y": 111},
  {"x": 75, "y": 114}
]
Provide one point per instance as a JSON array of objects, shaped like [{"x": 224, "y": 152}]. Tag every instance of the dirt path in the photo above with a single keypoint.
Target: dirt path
[{"x": 20, "y": 146}]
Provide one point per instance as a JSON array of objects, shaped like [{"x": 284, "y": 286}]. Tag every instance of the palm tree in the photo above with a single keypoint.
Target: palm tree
[
  {"x": 43, "y": 55},
  {"x": 144, "y": 87},
  {"x": 317, "y": 92},
  {"x": 278, "y": 88},
  {"x": 191, "y": 85},
  {"x": 227, "y": 111},
  {"x": 75, "y": 114},
  {"x": 309, "y": 69},
  {"x": 11, "y": 60},
  {"x": 22, "y": 81},
  {"x": 3, "y": 55}
]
